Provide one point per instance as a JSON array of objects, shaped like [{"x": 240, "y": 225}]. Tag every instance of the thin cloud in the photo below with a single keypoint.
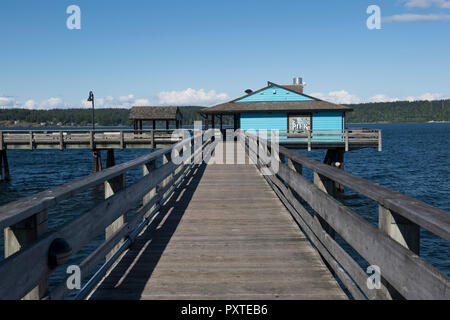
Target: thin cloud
[
  {"x": 344, "y": 97},
  {"x": 339, "y": 97},
  {"x": 423, "y": 4},
  {"x": 7, "y": 102},
  {"x": 122, "y": 102},
  {"x": 423, "y": 97},
  {"x": 52, "y": 103},
  {"x": 191, "y": 97},
  {"x": 408, "y": 17}
]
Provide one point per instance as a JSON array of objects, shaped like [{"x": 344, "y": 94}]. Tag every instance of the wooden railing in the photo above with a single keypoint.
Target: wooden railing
[
  {"x": 24, "y": 272},
  {"x": 393, "y": 246},
  {"x": 346, "y": 138},
  {"x": 92, "y": 139}
]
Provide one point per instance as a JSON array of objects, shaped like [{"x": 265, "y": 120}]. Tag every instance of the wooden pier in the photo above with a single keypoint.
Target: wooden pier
[
  {"x": 225, "y": 235},
  {"x": 87, "y": 139},
  {"x": 223, "y": 231},
  {"x": 351, "y": 139}
]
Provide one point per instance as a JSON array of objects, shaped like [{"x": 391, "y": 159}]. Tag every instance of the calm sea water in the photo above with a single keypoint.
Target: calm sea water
[{"x": 415, "y": 161}]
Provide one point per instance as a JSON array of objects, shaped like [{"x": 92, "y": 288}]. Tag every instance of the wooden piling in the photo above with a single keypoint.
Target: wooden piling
[
  {"x": 1, "y": 166},
  {"x": 96, "y": 161},
  {"x": 335, "y": 158},
  {"x": 6, "y": 175},
  {"x": 110, "y": 159}
]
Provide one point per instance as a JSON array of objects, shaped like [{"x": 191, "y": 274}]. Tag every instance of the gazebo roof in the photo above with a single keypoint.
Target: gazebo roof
[{"x": 155, "y": 113}]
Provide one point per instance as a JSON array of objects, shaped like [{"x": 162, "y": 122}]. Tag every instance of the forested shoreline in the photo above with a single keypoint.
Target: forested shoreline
[{"x": 387, "y": 112}]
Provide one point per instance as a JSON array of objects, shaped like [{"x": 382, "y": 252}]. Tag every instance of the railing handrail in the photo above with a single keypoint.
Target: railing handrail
[
  {"x": 87, "y": 131},
  {"x": 19, "y": 210},
  {"x": 401, "y": 267},
  {"x": 429, "y": 217},
  {"x": 22, "y": 271}
]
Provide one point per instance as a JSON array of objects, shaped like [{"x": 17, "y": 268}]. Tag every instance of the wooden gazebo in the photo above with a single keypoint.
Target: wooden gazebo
[{"x": 150, "y": 113}]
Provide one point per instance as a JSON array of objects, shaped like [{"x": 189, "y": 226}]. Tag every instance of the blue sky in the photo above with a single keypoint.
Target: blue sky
[{"x": 140, "y": 52}]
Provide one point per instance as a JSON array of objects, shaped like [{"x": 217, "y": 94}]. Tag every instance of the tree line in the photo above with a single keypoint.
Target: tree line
[{"x": 400, "y": 111}]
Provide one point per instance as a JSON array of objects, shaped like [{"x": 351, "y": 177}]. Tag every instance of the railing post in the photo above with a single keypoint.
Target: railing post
[
  {"x": 326, "y": 185},
  {"x": 309, "y": 140},
  {"x": 61, "y": 141},
  {"x": 122, "y": 140},
  {"x": 166, "y": 159},
  {"x": 111, "y": 187},
  {"x": 31, "y": 140},
  {"x": 346, "y": 141},
  {"x": 297, "y": 167},
  {"x": 146, "y": 169},
  {"x": 23, "y": 234},
  {"x": 380, "y": 142},
  {"x": 153, "y": 139},
  {"x": 401, "y": 230},
  {"x": 2, "y": 146},
  {"x": 91, "y": 140}
]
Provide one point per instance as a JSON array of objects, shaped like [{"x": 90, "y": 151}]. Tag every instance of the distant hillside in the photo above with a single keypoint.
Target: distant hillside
[
  {"x": 79, "y": 117},
  {"x": 401, "y": 111}
]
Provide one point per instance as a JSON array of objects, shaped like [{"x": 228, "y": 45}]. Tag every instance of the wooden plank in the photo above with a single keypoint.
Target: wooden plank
[{"x": 239, "y": 249}]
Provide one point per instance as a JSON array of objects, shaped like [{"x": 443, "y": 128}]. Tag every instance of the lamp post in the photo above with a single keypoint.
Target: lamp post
[
  {"x": 91, "y": 99},
  {"x": 97, "y": 157}
]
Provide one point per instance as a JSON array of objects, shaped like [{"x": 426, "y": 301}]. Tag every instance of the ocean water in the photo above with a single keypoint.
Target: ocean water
[{"x": 415, "y": 161}]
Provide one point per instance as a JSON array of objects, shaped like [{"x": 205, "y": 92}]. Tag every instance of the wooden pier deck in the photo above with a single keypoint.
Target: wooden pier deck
[
  {"x": 224, "y": 235},
  {"x": 254, "y": 229}
]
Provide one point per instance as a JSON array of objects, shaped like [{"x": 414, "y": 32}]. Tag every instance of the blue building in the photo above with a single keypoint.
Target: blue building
[
  {"x": 304, "y": 122},
  {"x": 285, "y": 108}
]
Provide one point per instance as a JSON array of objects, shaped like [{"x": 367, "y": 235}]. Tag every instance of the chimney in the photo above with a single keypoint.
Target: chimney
[{"x": 298, "y": 84}]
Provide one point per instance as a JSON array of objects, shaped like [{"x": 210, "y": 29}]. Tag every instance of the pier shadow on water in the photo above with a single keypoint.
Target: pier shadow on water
[{"x": 133, "y": 271}]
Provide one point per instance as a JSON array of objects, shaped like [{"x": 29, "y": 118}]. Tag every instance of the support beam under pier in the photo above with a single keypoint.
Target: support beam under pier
[
  {"x": 335, "y": 158},
  {"x": 96, "y": 161},
  {"x": 4, "y": 167}
]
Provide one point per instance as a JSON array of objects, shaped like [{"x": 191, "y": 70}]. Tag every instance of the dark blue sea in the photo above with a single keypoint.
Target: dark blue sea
[{"x": 415, "y": 161}]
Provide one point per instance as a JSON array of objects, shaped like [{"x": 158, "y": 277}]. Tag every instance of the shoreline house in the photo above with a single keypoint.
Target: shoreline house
[{"x": 281, "y": 107}]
